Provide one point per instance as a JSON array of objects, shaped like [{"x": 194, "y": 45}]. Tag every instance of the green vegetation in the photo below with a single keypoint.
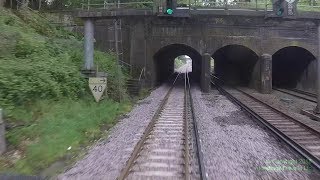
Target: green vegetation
[
  {"x": 47, "y": 103},
  {"x": 179, "y": 61}
]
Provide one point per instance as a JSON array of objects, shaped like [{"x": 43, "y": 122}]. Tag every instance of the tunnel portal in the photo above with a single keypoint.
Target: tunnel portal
[
  {"x": 291, "y": 67},
  {"x": 235, "y": 65},
  {"x": 164, "y": 61}
]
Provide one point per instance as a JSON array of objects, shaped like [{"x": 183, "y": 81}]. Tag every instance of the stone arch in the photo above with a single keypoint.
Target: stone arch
[
  {"x": 294, "y": 67},
  {"x": 164, "y": 61},
  {"x": 237, "y": 65}
]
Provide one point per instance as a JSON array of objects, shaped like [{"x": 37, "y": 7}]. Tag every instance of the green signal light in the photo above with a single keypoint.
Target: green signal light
[
  {"x": 280, "y": 11},
  {"x": 169, "y": 11}
]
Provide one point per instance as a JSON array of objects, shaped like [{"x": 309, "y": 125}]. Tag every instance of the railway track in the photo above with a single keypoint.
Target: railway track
[
  {"x": 305, "y": 92},
  {"x": 302, "y": 138},
  {"x": 300, "y": 94},
  {"x": 163, "y": 151}
]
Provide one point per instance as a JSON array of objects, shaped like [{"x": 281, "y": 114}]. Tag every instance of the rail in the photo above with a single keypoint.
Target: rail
[
  {"x": 229, "y": 5},
  {"x": 298, "y": 94},
  {"x": 202, "y": 171},
  {"x": 275, "y": 120},
  {"x": 169, "y": 117},
  {"x": 116, "y": 5},
  {"x": 258, "y": 5}
]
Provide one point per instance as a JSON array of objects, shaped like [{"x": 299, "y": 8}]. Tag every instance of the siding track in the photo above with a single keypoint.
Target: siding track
[{"x": 302, "y": 138}]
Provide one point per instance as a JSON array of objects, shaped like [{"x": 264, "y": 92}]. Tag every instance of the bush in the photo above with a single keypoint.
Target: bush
[{"x": 39, "y": 65}]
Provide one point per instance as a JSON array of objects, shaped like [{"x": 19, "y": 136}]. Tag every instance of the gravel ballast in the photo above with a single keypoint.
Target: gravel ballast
[
  {"x": 234, "y": 146},
  {"x": 106, "y": 159}
]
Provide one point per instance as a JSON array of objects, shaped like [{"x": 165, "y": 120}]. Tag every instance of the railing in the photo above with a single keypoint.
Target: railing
[
  {"x": 116, "y": 4},
  {"x": 193, "y": 4},
  {"x": 227, "y": 4},
  {"x": 266, "y": 5}
]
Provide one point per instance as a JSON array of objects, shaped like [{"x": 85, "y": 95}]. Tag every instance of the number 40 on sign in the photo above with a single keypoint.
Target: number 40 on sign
[{"x": 98, "y": 86}]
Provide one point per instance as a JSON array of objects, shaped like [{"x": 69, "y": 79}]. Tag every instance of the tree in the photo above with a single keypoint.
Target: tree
[{"x": 2, "y": 3}]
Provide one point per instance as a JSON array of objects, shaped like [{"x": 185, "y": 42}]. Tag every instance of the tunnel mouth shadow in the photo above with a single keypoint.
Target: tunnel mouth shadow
[
  {"x": 164, "y": 61},
  {"x": 290, "y": 67},
  {"x": 236, "y": 65}
]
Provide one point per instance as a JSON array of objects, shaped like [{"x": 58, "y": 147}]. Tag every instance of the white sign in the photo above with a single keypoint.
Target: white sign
[{"x": 98, "y": 86}]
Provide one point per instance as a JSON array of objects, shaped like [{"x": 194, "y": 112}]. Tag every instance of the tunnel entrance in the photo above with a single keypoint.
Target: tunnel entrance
[
  {"x": 292, "y": 68},
  {"x": 164, "y": 61},
  {"x": 236, "y": 65},
  {"x": 183, "y": 64}
]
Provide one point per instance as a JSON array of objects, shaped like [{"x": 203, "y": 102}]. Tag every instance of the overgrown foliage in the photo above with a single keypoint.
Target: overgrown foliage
[
  {"x": 39, "y": 61},
  {"x": 47, "y": 102}
]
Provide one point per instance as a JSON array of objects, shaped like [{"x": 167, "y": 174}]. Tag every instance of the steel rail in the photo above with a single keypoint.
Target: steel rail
[
  {"x": 186, "y": 143},
  {"x": 126, "y": 170},
  {"x": 139, "y": 146},
  {"x": 202, "y": 170},
  {"x": 292, "y": 143},
  {"x": 305, "y": 92},
  {"x": 287, "y": 91}
]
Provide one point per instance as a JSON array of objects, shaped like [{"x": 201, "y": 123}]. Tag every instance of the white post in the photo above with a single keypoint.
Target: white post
[{"x": 88, "y": 44}]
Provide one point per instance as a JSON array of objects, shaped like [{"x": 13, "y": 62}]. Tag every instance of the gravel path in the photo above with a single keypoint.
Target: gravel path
[
  {"x": 235, "y": 147},
  {"x": 106, "y": 159}
]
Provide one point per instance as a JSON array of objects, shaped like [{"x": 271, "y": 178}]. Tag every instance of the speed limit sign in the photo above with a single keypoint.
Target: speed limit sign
[{"x": 97, "y": 86}]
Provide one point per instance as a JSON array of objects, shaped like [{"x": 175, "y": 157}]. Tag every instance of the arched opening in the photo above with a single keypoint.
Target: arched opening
[
  {"x": 294, "y": 67},
  {"x": 236, "y": 65},
  {"x": 164, "y": 61}
]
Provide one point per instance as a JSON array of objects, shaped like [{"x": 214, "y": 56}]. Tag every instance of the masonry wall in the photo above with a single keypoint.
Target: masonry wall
[{"x": 143, "y": 37}]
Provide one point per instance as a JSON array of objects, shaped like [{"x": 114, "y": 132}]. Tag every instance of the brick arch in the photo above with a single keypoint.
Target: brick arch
[
  {"x": 294, "y": 67},
  {"x": 257, "y": 54},
  {"x": 236, "y": 65},
  {"x": 250, "y": 47},
  {"x": 163, "y": 60},
  {"x": 310, "y": 48},
  {"x": 196, "y": 45}
]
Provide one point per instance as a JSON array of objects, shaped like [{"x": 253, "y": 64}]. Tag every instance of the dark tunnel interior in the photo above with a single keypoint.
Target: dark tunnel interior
[
  {"x": 164, "y": 61},
  {"x": 234, "y": 65},
  {"x": 289, "y": 64}
]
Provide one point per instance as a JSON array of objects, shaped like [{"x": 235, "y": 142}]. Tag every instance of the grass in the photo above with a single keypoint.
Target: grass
[{"x": 56, "y": 126}]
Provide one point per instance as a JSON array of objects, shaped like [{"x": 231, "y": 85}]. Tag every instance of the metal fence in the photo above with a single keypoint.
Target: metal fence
[
  {"x": 231, "y": 4},
  {"x": 116, "y": 4},
  {"x": 302, "y": 5}
]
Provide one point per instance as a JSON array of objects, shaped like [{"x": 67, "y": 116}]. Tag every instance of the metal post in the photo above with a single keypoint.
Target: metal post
[
  {"x": 317, "y": 109},
  {"x": 2, "y": 135},
  {"x": 117, "y": 54},
  {"x": 88, "y": 44}
]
